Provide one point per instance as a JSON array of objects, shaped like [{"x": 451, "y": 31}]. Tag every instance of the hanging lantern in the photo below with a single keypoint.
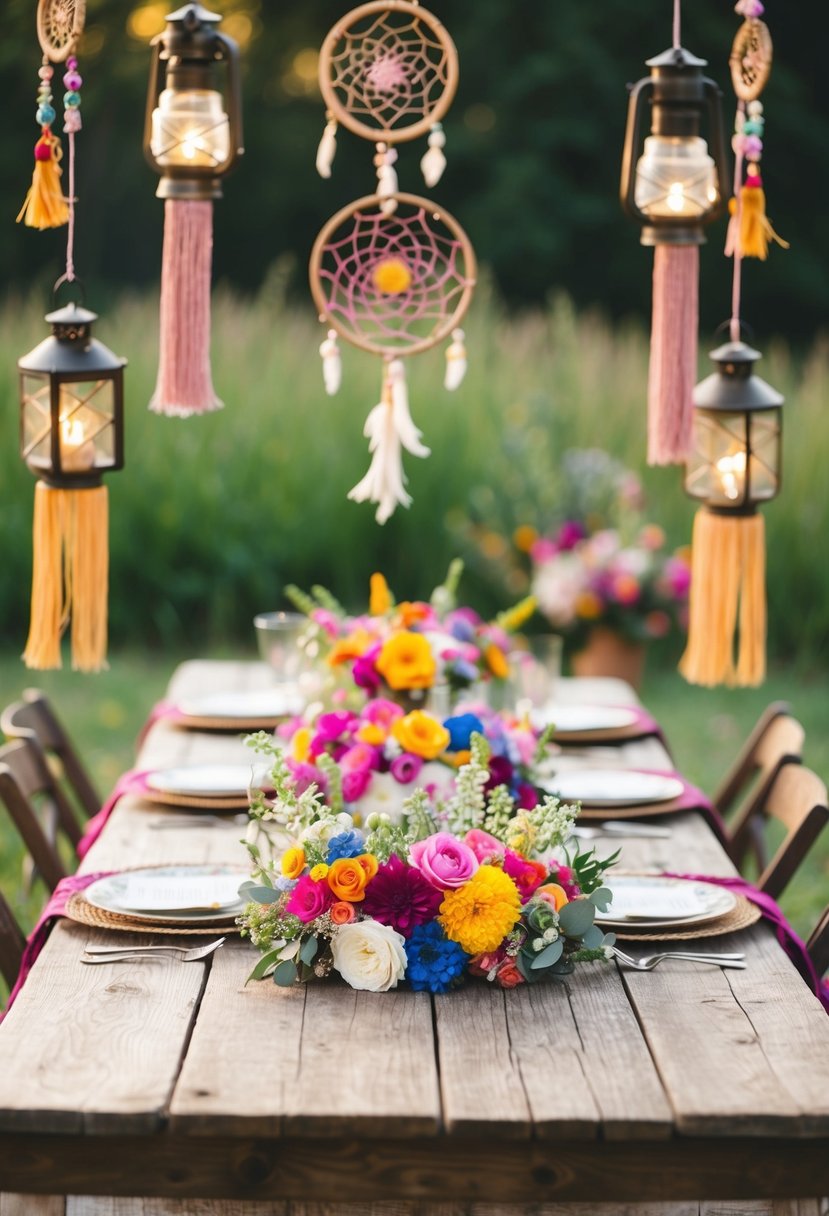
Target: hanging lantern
[
  {"x": 71, "y": 432},
  {"x": 734, "y": 466},
  {"x": 193, "y": 138},
  {"x": 673, "y": 187}
]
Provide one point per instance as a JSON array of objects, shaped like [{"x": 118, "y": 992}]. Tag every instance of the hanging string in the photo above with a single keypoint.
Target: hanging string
[
  {"x": 72, "y": 81},
  {"x": 677, "y": 23},
  {"x": 736, "y": 251},
  {"x": 70, "y": 235}
]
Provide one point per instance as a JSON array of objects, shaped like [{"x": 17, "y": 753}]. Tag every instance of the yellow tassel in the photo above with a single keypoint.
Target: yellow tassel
[
  {"x": 45, "y": 205},
  {"x": 70, "y": 577},
  {"x": 755, "y": 230},
  {"x": 728, "y": 587}
]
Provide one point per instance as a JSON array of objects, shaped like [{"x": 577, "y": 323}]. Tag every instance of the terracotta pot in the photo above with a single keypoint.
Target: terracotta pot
[{"x": 607, "y": 653}]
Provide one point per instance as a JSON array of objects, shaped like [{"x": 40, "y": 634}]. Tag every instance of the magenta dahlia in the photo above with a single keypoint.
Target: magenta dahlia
[{"x": 399, "y": 896}]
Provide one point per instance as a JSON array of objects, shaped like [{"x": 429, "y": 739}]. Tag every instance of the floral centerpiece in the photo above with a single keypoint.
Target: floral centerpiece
[
  {"x": 470, "y": 884},
  {"x": 405, "y": 649}
]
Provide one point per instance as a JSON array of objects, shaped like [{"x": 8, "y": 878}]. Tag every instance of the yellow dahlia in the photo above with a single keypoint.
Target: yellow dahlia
[{"x": 480, "y": 914}]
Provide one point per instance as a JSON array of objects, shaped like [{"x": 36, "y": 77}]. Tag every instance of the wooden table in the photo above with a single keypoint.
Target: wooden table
[{"x": 176, "y": 1080}]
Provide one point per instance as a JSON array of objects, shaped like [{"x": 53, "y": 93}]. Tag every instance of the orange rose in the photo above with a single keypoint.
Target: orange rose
[
  {"x": 421, "y": 734},
  {"x": 342, "y": 913},
  {"x": 508, "y": 975},
  {"x": 346, "y": 650},
  {"x": 348, "y": 879},
  {"x": 553, "y": 894},
  {"x": 369, "y": 863},
  {"x": 411, "y": 612},
  {"x": 406, "y": 661}
]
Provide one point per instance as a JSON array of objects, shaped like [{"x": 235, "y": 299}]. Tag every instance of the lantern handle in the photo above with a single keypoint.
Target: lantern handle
[
  {"x": 75, "y": 281},
  {"x": 639, "y": 94},
  {"x": 725, "y": 327},
  {"x": 717, "y": 146}
]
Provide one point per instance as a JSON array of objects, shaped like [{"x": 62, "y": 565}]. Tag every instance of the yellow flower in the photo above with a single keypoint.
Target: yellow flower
[
  {"x": 406, "y": 661},
  {"x": 301, "y": 745},
  {"x": 293, "y": 861},
  {"x": 480, "y": 914},
  {"x": 379, "y": 600},
  {"x": 391, "y": 276},
  {"x": 524, "y": 537},
  {"x": 372, "y": 733},
  {"x": 518, "y": 615},
  {"x": 352, "y": 647},
  {"x": 588, "y": 605},
  {"x": 459, "y": 759},
  {"x": 319, "y": 872},
  {"x": 496, "y": 661},
  {"x": 421, "y": 734}
]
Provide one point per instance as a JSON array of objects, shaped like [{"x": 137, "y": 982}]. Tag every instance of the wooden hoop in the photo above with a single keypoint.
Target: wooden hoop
[
  {"x": 344, "y": 116},
  {"x": 446, "y": 327},
  {"x": 47, "y": 18},
  {"x": 752, "y": 41}
]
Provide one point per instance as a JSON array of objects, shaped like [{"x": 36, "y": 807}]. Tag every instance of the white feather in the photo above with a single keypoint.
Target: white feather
[
  {"x": 455, "y": 361},
  {"x": 433, "y": 161},
  {"x": 332, "y": 366},
  {"x": 327, "y": 149}
]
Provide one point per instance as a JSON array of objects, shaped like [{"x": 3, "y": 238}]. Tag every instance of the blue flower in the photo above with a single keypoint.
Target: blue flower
[
  {"x": 461, "y": 729},
  {"x": 346, "y": 844},
  {"x": 462, "y": 671},
  {"x": 434, "y": 963}
]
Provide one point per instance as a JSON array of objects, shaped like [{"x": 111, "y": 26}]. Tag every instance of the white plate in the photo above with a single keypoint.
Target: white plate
[
  {"x": 262, "y": 703},
  {"x": 573, "y": 719},
  {"x": 182, "y": 893},
  {"x": 208, "y": 780},
  {"x": 656, "y": 902},
  {"x": 613, "y": 786}
]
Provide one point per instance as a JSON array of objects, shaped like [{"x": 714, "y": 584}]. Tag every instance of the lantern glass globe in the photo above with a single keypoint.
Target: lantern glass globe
[
  {"x": 190, "y": 129},
  {"x": 676, "y": 178}
]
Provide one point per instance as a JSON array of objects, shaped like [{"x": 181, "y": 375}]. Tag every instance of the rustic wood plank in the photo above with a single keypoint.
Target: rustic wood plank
[
  {"x": 32, "y": 1205},
  {"x": 441, "y": 1169},
  {"x": 90, "y": 1205},
  {"x": 107, "y": 1045}
]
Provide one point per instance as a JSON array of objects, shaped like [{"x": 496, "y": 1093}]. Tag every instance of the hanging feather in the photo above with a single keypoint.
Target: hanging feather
[
  {"x": 434, "y": 162},
  {"x": 455, "y": 361},
  {"x": 410, "y": 436},
  {"x": 389, "y": 428},
  {"x": 386, "y": 178},
  {"x": 327, "y": 149},
  {"x": 332, "y": 366}
]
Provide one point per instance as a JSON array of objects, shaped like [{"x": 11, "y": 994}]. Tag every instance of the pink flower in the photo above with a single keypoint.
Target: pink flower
[
  {"x": 355, "y": 784},
  {"x": 309, "y": 899},
  {"x": 569, "y": 534},
  {"x": 543, "y": 550},
  {"x": 565, "y": 878},
  {"x": 360, "y": 756},
  {"x": 483, "y": 845},
  {"x": 527, "y": 796},
  {"x": 400, "y": 896},
  {"x": 508, "y": 975},
  {"x": 381, "y": 712},
  {"x": 329, "y": 727},
  {"x": 406, "y": 768},
  {"x": 326, "y": 620},
  {"x": 526, "y": 874},
  {"x": 444, "y": 861},
  {"x": 482, "y": 964},
  {"x": 365, "y": 673},
  {"x": 305, "y": 775}
]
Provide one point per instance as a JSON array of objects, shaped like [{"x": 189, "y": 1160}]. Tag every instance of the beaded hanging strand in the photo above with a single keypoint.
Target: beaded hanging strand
[
  {"x": 44, "y": 205},
  {"x": 72, "y": 81}
]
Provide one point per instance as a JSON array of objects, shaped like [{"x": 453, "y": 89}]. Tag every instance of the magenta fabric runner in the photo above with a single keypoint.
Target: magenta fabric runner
[
  {"x": 771, "y": 912},
  {"x": 133, "y": 781},
  {"x": 55, "y": 907},
  {"x": 162, "y": 710},
  {"x": 693, "y": 799}
]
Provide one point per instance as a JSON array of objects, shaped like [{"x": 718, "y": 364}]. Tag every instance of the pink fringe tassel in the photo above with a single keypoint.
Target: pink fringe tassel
[
  {"x": 673, "y": 366},
  {"x": 185, "y": 382}
]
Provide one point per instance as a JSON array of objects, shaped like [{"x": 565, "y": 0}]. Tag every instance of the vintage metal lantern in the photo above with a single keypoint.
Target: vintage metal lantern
[
  {"x": 71, "y": 432},
  {"x": 733, "y": 468},
  {"x": 192, "y": 138},
  {"x": 673, "y": 186}
]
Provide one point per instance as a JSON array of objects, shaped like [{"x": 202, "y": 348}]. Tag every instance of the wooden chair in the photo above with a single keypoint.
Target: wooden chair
[
  {"x": 797, "y": 798},
  {"x": 37, "y": 806},
  {"x": 34, "y": 717},
  {"x": 12, "y": 943},
  {"x": 818, "y": 944}
]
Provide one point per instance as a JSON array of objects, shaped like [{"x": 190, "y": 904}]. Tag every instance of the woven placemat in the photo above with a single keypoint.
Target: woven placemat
[
  {"x": 604, "y": 734},
  {"x": 743, "y": 914},
  {"x": 236, "y": 725},
  {"x": 641, "y": 810},
  {"x": 199, "y": 802},
  {"x": 79, "y": 909}
]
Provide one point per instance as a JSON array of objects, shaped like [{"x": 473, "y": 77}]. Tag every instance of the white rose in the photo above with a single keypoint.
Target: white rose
[
  {"x": 369, "y": 956},
  {"x": 324, "y": 830}
]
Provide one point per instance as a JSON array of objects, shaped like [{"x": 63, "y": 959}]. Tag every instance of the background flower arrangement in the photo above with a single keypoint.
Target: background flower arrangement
[{"x": 469, "y": 884}]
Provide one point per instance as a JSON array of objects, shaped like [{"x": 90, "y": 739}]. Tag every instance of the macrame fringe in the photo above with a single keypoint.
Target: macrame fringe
[
  {"x": 70, "y": 577},
  {"x": 749, "y": 229},
  {"x": 45, "y": 205},
  {"x": 673, "y": 362},
  {"x": 389, "y": 429},
  {"x": 728, "y": 591},
  {"x": 185, "y": 381}
]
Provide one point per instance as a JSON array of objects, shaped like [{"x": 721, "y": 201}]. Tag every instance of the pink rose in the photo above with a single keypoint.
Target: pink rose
[
  {"x": 381, "y": 712},
  {"x": 483, "y": 845},
  {"x": 305, "y": 775},
  {"x": 309, "y": 899},
  {"x": 361, "y": 755},
  {"x": 526, "y": 874},
  {"x": 444, "y": 861},
  {"x": 508, "y": 975},
  {"x": 355, "y": 783}
]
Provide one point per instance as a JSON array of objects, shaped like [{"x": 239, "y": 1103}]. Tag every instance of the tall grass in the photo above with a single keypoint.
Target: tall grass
[{"x": 213, "y": 515}]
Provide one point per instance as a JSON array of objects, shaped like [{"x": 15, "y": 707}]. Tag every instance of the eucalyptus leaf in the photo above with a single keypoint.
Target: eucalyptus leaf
[
  {"x": 261, "y": 895},
  {"x": 602, "y": 898},
  {"x": 309, "y": 950},
  {"x": 593, "y": 938},
  {"x": 549, "y": 955},
  {"x": 266, "y": 962},
  {"x": 285, "y": 974},
  {"x": 576, "y": 917}
]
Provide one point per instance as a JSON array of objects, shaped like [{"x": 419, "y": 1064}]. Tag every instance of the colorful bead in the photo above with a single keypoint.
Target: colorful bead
[
  {"x": 73, "y": 81},
  {"x": 755, "y": 108},
  {"x": 72, "y": 98},
  {"x": 753, "y": 146},
  {"x": 42, "y": 150},
  {"x": 754, "y": 126},
  {"x": 45, "y": 73},
  {"x": 72, "y": 62},
  {"x": 72, "y": 120},
  {"x": 45, "y": 115}
]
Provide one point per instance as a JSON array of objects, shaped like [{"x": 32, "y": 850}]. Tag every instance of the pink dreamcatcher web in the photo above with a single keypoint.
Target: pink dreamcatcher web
[
  {"x": 388, "y": 70},
  {"x": 393, "y": 284}
]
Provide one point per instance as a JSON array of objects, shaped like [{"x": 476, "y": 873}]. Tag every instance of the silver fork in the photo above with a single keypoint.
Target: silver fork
[
  {"x": 197, "y": 821},
  {"x": 648, "y": 961},
  {"x": 118, "y": 954},
  {"x": 619, "y": 827}
]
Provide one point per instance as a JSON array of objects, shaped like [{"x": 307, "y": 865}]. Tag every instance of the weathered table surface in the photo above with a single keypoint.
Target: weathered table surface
[{"x": 170, "y": 1079}]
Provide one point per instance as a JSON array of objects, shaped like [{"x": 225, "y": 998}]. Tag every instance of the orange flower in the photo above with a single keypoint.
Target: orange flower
[
  {"x": 496, "y": 661},
  {"x": 553, "y": 894},
  {"x": 406, "y": 661},
  {"x": 372, "y": 733},
  {"x": 412, "y": 612},
  {"x": 421, "y": 734},
  {"x": 379, "y": 600},
  {"x": 342, "y": 913},
  {"x": 369, "y": 863},
  {"x": 524, "y": 537},
  {"x": 346, "y": 650},
  {"x": 348, "y": 878},
  {"x": 588, "y": 605}
]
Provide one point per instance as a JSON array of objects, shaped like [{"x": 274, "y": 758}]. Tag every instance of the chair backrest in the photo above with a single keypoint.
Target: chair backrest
[
  {"x": 34, "y": 716},
  {"x": 12, "y": 943},
  {"x": 27, "y": 787},
  {"x": 818, "y": 944},
  {"x": 776, "y": 740},
  {"x": 797, "y": 798}
]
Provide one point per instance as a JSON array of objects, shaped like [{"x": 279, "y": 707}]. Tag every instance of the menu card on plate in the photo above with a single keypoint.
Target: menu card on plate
[
  {"x": 651, "y": 902},
  {"x": 178, "y": 893}
]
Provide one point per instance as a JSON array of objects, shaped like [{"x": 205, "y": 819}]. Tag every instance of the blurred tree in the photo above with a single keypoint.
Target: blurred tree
[{"x": 534, "y": 142}]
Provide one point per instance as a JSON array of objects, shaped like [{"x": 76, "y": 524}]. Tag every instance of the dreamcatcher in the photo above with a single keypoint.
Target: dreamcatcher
[
  {"x": 391, "y": 273},
  {"x": 59, "y": 26}
]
